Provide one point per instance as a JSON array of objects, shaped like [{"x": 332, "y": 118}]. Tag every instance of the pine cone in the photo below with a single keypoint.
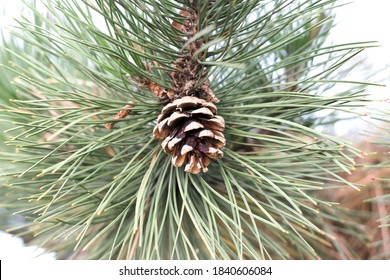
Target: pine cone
[{"x": 191, "y": 132}]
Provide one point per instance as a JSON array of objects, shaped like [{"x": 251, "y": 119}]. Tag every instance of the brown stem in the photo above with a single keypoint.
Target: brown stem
[
  {"x": 120, "y": 115},
  {"x": 189, "y": 77}
]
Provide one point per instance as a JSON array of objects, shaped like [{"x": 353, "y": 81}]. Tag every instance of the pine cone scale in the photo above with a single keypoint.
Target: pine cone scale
[
  {"x": 204, "y": 133},
  {"x": 214, "y": 124},
  {"x": 178, "y": 160},
  {"x": 176, "y": 116},
  {"x": 202, "y": 111},
  {"x": 192, "y": 125},
  {"x": 189, "y": 146},
  {"x": 192, "y": 166}
]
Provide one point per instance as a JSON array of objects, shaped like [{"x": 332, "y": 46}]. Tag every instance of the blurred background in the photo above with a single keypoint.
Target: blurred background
[{"x": 358, "y": 21}]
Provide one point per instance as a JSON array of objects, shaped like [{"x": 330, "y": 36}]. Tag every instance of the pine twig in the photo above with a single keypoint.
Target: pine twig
[{"x": 120, "y": 115}]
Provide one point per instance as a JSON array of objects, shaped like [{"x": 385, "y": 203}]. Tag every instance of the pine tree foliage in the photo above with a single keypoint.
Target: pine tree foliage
[
  {"x": 382, "y": 138},
  {"x": 89, "y": 192}
]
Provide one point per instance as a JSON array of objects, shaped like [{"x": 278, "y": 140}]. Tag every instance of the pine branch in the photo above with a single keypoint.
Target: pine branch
[{"x": 114, "y": 194}]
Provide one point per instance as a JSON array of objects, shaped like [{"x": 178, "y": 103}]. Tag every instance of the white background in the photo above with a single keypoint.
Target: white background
[{"x": 281, "y": 270}]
